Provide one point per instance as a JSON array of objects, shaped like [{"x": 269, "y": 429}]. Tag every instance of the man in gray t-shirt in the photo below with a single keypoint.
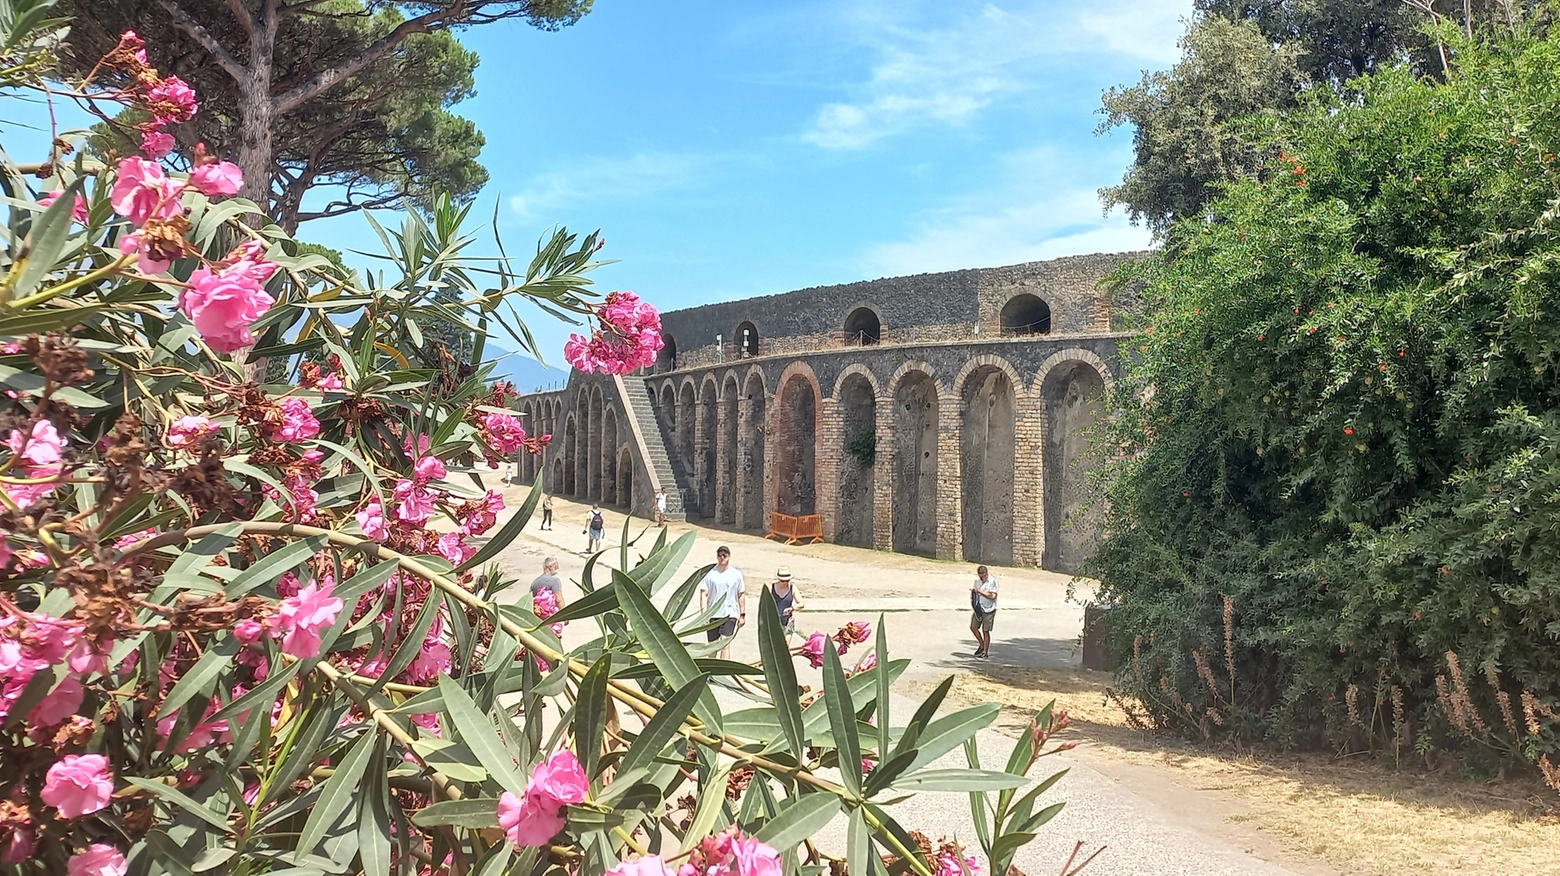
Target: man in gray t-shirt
[
  {"x": 549, "y": 579},
  {"x": 983, "y": 600}
]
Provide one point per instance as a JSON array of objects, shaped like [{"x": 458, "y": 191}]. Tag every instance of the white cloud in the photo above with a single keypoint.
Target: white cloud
[
  {"x": 593, "y": 180},
  {"x": 946, "y": 75}
]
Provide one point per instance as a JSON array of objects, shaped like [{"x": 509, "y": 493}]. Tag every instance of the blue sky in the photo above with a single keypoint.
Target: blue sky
[{"x": 735, "y": 149}]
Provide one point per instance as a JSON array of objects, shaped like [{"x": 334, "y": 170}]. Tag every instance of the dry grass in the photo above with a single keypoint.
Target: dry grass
[{"x": 1353, "y": 814}]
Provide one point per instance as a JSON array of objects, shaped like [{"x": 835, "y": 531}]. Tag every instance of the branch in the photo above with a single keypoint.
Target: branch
[
  {"x": 242, "y": 14},
  {"x": 193, "y": 28}
]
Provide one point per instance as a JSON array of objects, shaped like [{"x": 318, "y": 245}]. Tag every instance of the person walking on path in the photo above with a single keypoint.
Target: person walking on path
[
  {"x": 595, "y": 525},
  {"x": 787, "y": 599},
  {"x": 549, "y": 580},
  {"x": 723, "y": 588},
  {"x": 983, "y": 599},
  {"x": 660, "y": 507},
  {"x": 547, "y": 511}
]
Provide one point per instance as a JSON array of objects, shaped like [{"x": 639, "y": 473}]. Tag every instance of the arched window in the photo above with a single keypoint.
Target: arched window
[
  {"x": 746, "y": 340},
  {"x": 666, "y": 359},
  {"x": 1026, "y": 315},
  {"x": 863, "y": 327}
]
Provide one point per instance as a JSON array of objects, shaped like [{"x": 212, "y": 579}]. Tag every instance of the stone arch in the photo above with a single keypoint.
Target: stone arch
[
  {"x": 624, "y": 488},
  {"x": 987, "y": 390},
  {"x": 1025, "y": 314},
  {"x": 914, "y": 391},
  {"x": 863, "y": 325},
  {"x": 571, "y": 440},
  {"x": 552, "y": 486},
  {"x": 855, "y": 399},
  {"x": 666, "y": 357},
  {"x": 746, "y": 339},
  {"x": 668, "y": 407},
  {"x": 1071, "y": 385},
  {"x": 687, "y": 405},
  {"x": 798, "y": 402},
  {"x": 727, "y": 450},
  {"x": 609, "y": 456},
  {"x": 751, "y": 427},
  {"x": 708, "y": 434},
  {"x": 582, "y": 444},
  {"x": 592, "y": 486}
]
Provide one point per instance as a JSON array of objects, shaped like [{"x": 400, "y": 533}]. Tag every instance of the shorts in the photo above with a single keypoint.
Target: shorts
[
  {"x": 983, "y": 620},
  {"x": 725, "y": 630},
  {"x": 595, "y": 534}
]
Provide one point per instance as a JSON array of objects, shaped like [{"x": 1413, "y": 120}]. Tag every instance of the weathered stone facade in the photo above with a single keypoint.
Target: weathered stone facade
[{"x": 941, "y": 414}]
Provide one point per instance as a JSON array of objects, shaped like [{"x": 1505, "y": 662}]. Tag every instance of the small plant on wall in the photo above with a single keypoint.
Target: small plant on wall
[{"x": 863, "y": 447}]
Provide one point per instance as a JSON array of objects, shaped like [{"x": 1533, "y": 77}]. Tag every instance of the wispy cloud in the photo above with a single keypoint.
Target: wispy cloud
[
  {"x": 925, "y": 76},
  {"x": 594, "y": 180}
]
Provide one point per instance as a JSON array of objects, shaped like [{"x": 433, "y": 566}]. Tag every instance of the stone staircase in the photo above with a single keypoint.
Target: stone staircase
[{"x": 652, "y": 443}]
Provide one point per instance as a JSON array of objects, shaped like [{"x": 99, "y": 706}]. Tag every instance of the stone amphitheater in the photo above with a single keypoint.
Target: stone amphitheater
[{"x": 940, "y": 414}]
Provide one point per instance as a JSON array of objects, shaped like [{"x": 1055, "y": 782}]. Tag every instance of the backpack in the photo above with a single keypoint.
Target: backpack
[{"x": 597, "y": 521}]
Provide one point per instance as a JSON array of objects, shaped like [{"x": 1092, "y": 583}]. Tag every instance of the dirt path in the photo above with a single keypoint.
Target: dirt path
[{"x": 1159, "y": 808}]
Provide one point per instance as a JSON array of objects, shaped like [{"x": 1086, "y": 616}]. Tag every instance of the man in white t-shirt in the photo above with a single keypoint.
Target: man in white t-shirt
[
  {"x": 723, "y": 587},
  {"x": 660, "y": 507},
  {"x": 983, "y": 600}
]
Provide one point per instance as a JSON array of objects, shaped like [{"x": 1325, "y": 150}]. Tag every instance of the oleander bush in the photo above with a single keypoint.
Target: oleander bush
[
  {"x": 1335, "y": 482},
  {"x": 250, "y": 618}
]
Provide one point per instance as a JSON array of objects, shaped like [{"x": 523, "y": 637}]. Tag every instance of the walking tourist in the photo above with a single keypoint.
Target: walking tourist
[
  {"x": 549, "y": 580},
  {"x": 547, "y": 511},
  {"x": 660, "y": 507},
  {"x": 983, "y": 599},
  {"x": 787, "y": 599},
  {"x": 724, "y": 589},
  {"x": 595, "y": 525}
]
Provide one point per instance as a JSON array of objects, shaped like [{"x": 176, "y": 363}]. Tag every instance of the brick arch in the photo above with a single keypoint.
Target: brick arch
[
  {"x": 727, "y": 449},
  {"x": 1070, "y": 388},
  {"x": 797, "y": 421},
  {"x": 569, "y": 454},
  {"x": 857, "y": 368},
  {"x": 914, "y": 394},
  {"x": 752, "y": 442},
  {"x": 864, "y": 304},
  {"x": 1071, "y": 354},
  {"x": 706, "y": 437},
  {"x": 988, "y": 392},
  {"x": 690, "y": 383},
  {"x": 752, "y": 372},
  {"x": 920, "y": 366},
  {"x": 988, "y": 361}
]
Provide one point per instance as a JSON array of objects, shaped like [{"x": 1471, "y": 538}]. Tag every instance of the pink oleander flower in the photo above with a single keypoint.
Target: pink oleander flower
[
  {"x": 142, "y": 191},
  {"x": 867, "y": 662},
  {"x": 172, "y": 101},
  {"x": 156, "y": 144},
  {"x": 301, "y": 620},
  {"x": 452, "y": 546},
  {"x": 223, "y": 305},
  {"x": 853, "y": 633},
  {"x": 146, "y": 262},
  {"x": 19, "y": 847},
  {"x": 217, "y": 178},
  {"x": 331, "y": 380},
  {"x": 948, "y": 865},
  {"x": 78, "y": 212},
  {"x": 475, "y": 521},
  {"x": 78, "y": 784},
  {"x": 248, "y": 631},
  {"x": 755, "y": 858},
  {"x": 59, "y": 704},
  {"x": 537, "y": 817},
  {"x": 629, "y": 338},
  {"x": 429, "y": 468},
  {"x": 813, "y": 650},
  {"x": 504, "y": 432},
  {"x": 97, "y": 860},
  {"x": 649, "y": 865},
  {"x": 432, "y": 660},
  {"x": 5, "y": 553},
  {"x": 424, "y": 442},
  {"x": 41, "y": 447},
  {"x": 187, "y": 430},
  {"x": 415, "y": 505},
  {"x": 372, "y": 520},
  {"x": 298, "y": 422}
]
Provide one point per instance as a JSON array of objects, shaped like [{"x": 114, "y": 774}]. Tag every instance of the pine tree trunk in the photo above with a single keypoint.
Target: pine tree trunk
[{"x": 256, "y": 139}]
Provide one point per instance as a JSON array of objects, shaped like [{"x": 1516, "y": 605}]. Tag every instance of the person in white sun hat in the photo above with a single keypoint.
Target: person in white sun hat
[{"x": 787, "y": 598}]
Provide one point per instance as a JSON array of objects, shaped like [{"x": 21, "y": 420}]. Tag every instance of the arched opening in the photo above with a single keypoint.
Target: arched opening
[
  {"x": 668, "y": 409},
  {"x": 625, "y": 478},
  {"x": 551, "y": 487},
  {"x": 987, "y": 467},
  {"x": 726, "y": 480},
  {"x": 858, "y": 461},
  {"x": 609, "y": 457},
  {"x": 708, "y": 437},
  {"x": 750, "y": 508},
  {"x": 685, "y": 418},
  {"x": 666, "y": 358},
  {"x": 915, "y": 464},
  {"x": 863, "y": 327},
  {"x": 796, "y": 447},
  {"x": 746, "y": 340},
  {"x": 1073, "y": 393},
  {"x": 1026, "y": 315},
  {"x": 592, "y": 486},
  {"x": 570, "y": 479}
]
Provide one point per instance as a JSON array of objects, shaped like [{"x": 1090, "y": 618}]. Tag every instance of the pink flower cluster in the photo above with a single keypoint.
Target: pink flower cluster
[
  {"x": 536, "y": 817},
  {"x": 39, "y": 455},
  {"x": 298, "y": 421},
  {"x": 78, "y": 211},
  {"x": 853, "y": 633},
  {"x": 78, "y": 784},
  {"x": 33, "y": 643},
  {"x": 629, "y": 337},
  {"x": 97, "y": 860},
  {"x": 225, "y": 302},
  {"x": 545, "y": 603},
  {"x": 948, "y": 864},
  {"x": 731, "y": 853},
  {"x": 188, "y": 430},
  {"x": 301, "y": 620},
  {"x": 504, "y": 432},
  {"x": 477, "y": 518}
]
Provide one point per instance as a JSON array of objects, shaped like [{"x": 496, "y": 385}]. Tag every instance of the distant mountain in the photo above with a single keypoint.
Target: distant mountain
[{"x": 527, "y": 374}]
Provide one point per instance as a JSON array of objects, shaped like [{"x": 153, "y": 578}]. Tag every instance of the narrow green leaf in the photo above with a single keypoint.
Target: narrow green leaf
[
  {"x": 479, "y": 734},
  {"x": 340, "y": 789},
  {"x": 1020, "y": 811},
  {"x": 589, "y": 605},
  {"x": 472, "y": 812},
  {"x": 508, "y": 532},
  {"x": 274, "y": 565},
  {"x": 949, "y": 732},
  {"x": 201, "y": 677},
  {"x": 858, "y": 843},
  {"x": 46, "y": 240},
  {"x": 780, "y": 673},
  {"x": 412, "y": 641},
  {"x": 658, "y": 568},
  {"x": 374, "y": 820},
  {"x": 842, "y": 720},
  {"x": 978, "y": 802},
  {"x": 682, "y": 597},
  {"x": 1043, "y": 816},
  {"x": 712, "y": 800},
  {"x": 668, "y": 652},
  {"x": 882, "y": 692},
  {"x": 590, "y": 713},
  {"x": 883, "y": 775},
  {"x": 663, "y": 725},
  {"x": 262, "y": 695},
  {"x": 800, "y": 819},
  {"x": 183, "y": 801},
  {"x": 959, "y": 780}
]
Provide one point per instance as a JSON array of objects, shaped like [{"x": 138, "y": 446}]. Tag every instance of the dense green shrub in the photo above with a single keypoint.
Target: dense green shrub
[{"x": 1341, "y": 414}]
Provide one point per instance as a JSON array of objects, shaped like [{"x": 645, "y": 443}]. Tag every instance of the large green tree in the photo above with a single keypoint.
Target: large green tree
[{"x": 350, "y": 93}]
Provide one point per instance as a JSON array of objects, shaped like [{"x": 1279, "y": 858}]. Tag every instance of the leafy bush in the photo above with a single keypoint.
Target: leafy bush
[
  {"x": 1335, "y": 478},
  {"x": 242, "y": 625}
]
